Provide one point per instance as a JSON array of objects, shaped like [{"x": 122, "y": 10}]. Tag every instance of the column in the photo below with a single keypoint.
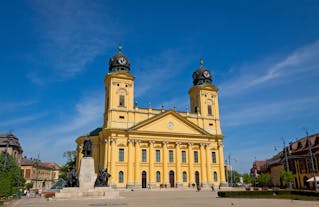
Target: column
[
  {"x": 165, "y": 162},
  {"x": 138, "y": 180},
  {"x": 190, "y": 164},
  {"x": 113, "y": 160},
  {"x": 208, "y": 166},
  {"x": 105, "y": 157},
  {"x": 202, "y": 164},
  {"x": 130, "y": 168},
  {"x": 221, "y": 164},
  {"x": 151, "y": 170},
  {"x": 179, "y": 182}
]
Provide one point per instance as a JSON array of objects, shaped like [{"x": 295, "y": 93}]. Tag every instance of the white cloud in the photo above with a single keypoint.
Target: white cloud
[
  {"x": 13, "y": 106},
  {"x": 12, "y": 123},
  {"x": 302, "y": 60},
  {"x": 162, "y": 69},
  {"x": 71, "y": 33},
  {"x": 55, "y": 138},
  {"x": 263, "y": 111}
]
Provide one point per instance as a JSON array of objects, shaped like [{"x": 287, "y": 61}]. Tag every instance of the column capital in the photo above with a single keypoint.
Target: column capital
[
  {"x": 204, "y": 144},
  {"x": 137, "y": 141},
  {"x": 113, "y": 140},
  {"x": 130, "y": 140},
  {"x": 178, "y": 143},
  {"x": 190, "y": 144},
  {"x": 151, "y": 141},
  {"x": 165, "y": 142}
]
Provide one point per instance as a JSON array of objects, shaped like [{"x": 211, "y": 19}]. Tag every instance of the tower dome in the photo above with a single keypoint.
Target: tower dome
[
  {"x": 202, "y": 75},
  {"x": 119, "y": 62}
]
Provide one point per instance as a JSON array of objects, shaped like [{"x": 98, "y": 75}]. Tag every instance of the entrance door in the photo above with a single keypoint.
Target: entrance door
[
  {"x": 171, "y": 178},
  {"x": 197, "y": 178},
  {"x": 143, "y": 179}
]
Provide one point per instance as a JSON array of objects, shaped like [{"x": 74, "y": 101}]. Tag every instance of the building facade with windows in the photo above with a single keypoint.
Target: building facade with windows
[
  {"x": 298, "y": 162},
  {"x": 42, "y": 174},
  {"x": 147, "y": 147}
]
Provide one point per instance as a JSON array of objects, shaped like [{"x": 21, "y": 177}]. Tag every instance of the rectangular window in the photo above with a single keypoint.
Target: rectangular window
[
  {"x": 158, "y": 176},
  {"x": 184, "y": 177},
  {"x": 214, "y": 157},
  {"x": 121, "y": 155},
  {"x": 143, "y": 155},
  {"x": 122, "y": 100},
  {"x": 195, "y": 157},
  {"x": 171, "y": 156},
  {"x": 158, "y": 156},
  {"x": 183, "y": 156},
  {"x": 209, "y": 110}
]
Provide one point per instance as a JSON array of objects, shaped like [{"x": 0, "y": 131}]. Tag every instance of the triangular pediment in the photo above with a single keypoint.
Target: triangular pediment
[{"x": 169, "y": 122}]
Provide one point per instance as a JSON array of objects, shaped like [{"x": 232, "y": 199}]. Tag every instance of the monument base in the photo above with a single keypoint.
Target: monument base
[
  {"x": 96, "y": 193},
  {"x": 87, "y": 190}
]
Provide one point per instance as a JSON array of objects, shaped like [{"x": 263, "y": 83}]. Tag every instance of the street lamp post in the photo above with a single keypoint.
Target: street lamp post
[
  {"x": 312, "y": 162},
  {"x": 286, "y": 158}
]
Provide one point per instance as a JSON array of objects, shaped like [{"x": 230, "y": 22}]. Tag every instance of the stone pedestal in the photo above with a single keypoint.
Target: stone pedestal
[
  {"x": 86, "y": 189},
  {"x": 87, "y": 174}
]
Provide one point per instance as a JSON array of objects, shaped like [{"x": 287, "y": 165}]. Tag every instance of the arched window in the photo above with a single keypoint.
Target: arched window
[
  {"x": 215, "y": 176},
  {"x": 121, "y": 177},
  {"x": 158, "y": 176},
  {"x": 184, "y": 176}
]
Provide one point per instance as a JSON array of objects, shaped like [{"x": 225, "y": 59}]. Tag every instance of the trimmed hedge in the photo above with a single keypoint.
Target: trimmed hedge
[{"x": 288, "y": 194}]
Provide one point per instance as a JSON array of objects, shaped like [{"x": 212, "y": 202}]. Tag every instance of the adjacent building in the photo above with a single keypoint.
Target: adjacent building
[
  {"x": 147, "y": 147},
  {"x": 298, "y": 162},
  {"x": 42, "y": 174},
  {"x": 10, "y": 143}
]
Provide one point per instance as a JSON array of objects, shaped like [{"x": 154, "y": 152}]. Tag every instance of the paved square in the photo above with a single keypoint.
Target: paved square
[{"x": 166, "y": 199}]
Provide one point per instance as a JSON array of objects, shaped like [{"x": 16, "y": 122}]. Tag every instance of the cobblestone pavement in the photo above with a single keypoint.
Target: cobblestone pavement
[{"x": 165, "y": 199}]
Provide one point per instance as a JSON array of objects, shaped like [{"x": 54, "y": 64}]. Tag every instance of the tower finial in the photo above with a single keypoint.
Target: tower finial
[
  {"x": 201, "y": 62},
  {"x": 119, "y": 47}
]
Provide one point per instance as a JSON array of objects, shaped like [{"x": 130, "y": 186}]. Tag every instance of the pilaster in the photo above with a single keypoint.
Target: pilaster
[
  {"x": 130, "y": 168},
  {"x": 113, "y": 160},
  {"x": 151, "y": 171},
  {"x": 138, "y": 181},
  {"x": 179, "y": 182},
  {"x": 203, "y": 166},
  {"x": 190, "y": 164}
]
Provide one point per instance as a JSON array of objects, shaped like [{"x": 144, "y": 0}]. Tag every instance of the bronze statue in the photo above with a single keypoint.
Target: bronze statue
[
  {"x": 72, "y": 178},
  {"x": 87, "y": 147},
  {"x": 102, "y": 178}
]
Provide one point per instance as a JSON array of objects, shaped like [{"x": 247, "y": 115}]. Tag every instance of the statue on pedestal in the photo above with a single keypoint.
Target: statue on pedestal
[
  {"x": 72, "y": 178},
  {"x": 87, "y": 147},
  {"x": 102, "y": 177}
]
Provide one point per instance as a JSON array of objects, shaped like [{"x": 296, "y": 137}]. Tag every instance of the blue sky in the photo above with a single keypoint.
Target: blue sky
[{"x": 264, "y": 56}]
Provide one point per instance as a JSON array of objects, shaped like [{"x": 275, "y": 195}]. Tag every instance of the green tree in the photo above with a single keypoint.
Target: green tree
[
  {"x": 286, "y": 177},
  {"x": 71, "y": 161},
  {"x": 263, "y": 179},
  {"x": 11, "y": 177},
  {"x": 246, "y": 178}
]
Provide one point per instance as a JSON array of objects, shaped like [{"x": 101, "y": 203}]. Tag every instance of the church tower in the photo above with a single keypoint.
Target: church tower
[
  {"x": 119, "y": 92},
  {"x": 204, "y": 98}
]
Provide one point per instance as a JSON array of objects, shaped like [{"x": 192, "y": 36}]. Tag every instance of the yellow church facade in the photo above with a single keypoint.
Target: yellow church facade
[{"x": 146, "y": 147}]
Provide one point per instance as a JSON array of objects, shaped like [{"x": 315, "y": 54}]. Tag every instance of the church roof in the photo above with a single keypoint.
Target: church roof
[
  {"x": 202, "y": 75},
  {"x": 119, "y": 62}
]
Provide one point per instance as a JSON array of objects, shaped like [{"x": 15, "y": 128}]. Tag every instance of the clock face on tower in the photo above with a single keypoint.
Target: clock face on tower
[
  {"x": 121, "y": 61},
  {"x": 206, "y": 74}
]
